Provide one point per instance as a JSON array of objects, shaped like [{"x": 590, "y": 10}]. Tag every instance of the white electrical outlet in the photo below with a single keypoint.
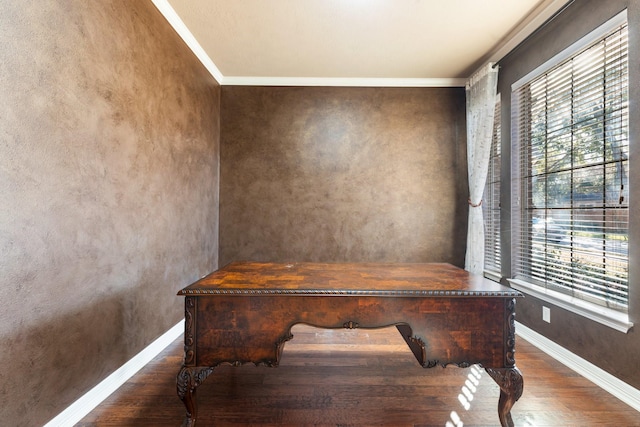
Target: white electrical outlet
[{"x": 546, "y": 314}]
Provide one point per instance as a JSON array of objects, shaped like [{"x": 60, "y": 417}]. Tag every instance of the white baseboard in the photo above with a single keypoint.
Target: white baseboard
[
  {"x": 601, "y": 378},
  {"x": 89, "y": 401}
]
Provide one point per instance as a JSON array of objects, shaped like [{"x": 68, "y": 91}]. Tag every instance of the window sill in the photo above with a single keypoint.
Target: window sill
[
  {"x": 492, "y": 275},
  {"x": 606, "y": 316}
]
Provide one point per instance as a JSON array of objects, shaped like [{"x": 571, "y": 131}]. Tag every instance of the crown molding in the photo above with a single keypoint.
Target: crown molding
[
  {"x": 343, "y": 81},
  {"x": 176, "y": 22},
  {"x": 538, "y": 17}
]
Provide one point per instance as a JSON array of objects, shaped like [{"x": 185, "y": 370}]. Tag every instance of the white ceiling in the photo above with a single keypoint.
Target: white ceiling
[{"x": 352, "y": 42}]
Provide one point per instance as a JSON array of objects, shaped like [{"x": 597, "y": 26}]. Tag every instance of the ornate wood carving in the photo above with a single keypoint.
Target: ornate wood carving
[
  {"x": 279, "y": 348},
  {"x": 510, "y": 356},
  {"x": 435, "y": 362},
  {"x": 354, "y": 292},
  {"x": 268, "y": 362},
  {"x": 420, "y": 346},
  {"x": 419, "y": 349},
  {"x": 189, "y": 330},
  {"x": 188, "y": 380},
  {"x": 511, "y": 385}
]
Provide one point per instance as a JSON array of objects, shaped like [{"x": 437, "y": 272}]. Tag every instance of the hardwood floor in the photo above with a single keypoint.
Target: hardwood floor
[{"x": 345, "y": 378}]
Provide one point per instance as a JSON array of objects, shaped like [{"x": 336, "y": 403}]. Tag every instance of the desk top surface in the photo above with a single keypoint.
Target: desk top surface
[{"x": 343, "y": 279}]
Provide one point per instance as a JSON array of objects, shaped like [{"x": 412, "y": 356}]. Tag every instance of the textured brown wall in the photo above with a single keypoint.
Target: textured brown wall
[
  {"x": 109, "y": 131},
  {"x": 342, "y": 174},
  {"x": 608, "y": 349}
]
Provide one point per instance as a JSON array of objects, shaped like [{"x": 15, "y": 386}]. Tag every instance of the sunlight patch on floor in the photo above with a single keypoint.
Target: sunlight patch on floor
[{"x": 465, "y": 397}]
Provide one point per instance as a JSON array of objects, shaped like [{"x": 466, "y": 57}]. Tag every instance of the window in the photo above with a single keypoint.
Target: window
[
  {"x": 491, "y": 204},
  {"x": 571, "y": 155}
]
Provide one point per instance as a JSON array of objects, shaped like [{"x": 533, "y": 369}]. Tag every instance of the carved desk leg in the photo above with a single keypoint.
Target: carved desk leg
[
  {"x": 511, "y": 385},
  {"x": 189, "y": 378}
]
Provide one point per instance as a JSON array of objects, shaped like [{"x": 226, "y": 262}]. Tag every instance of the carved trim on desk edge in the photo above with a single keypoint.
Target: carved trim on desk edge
[
  {"x": 189, "y": 330},
  {"x": 509, "y": 380},
  {"x": 510, "y": 356},
  {"x": 269, "y": 363},
  {"x": 436, "y": 362},
  {"x": 351, "y": 292},
  {"x": 190, "y": 377},
  {"x": 279, "y": 348},
  {"x": 426, "y": 363}
]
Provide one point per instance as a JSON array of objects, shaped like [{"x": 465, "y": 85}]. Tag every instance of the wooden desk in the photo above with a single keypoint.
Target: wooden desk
[{"x": 244, "y": 312}]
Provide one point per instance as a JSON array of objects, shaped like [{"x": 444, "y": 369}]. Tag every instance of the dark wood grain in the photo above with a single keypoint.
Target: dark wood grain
[
  {"x": 244, "y": 313},
  {"x": 375, "y": 279}
]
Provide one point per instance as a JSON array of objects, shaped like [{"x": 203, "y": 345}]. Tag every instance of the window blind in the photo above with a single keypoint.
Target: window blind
[
  {"x": 491, "y": 202},
  {"x": 570, "y": 217}
]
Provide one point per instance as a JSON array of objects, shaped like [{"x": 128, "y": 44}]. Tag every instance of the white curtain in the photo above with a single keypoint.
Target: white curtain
[{"x": 481, "y": 98}]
